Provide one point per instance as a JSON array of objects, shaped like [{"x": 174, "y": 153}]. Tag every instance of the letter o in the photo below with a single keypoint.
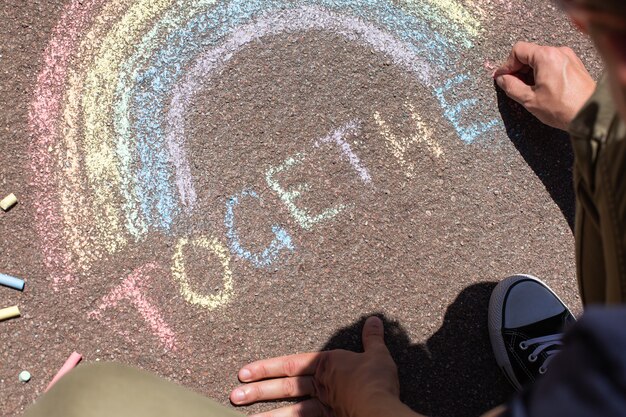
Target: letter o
[{"x": 211, "y": 301}]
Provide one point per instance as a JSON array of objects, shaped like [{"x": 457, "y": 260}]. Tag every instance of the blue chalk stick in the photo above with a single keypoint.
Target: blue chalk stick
[{"x": 12, "y": 282}]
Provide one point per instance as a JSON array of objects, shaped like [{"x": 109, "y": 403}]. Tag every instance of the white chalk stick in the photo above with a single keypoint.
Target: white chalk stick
[{"x": 8, "y": 202}]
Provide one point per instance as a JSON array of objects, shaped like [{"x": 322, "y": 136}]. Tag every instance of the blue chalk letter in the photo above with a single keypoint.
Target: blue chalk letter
[
  {"x": 453, "y": 112},
  {"x": 269, "y": 254}
]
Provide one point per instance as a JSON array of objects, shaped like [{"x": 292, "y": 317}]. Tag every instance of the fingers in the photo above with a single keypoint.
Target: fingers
[
  {"x": 294, "y": 365},
  {"x": 373, "y": 334},
  {"x": 273, "y": 389},
  {"x": 522, "y": 55},
  {"x": 515, "y": 88},
  {"x": 308, "y": 408}
]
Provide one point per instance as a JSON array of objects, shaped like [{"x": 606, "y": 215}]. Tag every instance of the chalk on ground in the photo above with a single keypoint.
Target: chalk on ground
[
  {"x": 8, "y": 202},
  {"x": 69, "y": 364},
  {"x": 24, "y": 376},
  {"x": 9, "y": 313},
  {"x": 12, "y": 282}
]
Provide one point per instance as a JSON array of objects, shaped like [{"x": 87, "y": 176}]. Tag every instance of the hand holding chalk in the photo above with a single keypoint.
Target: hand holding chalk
[{"x": 560, "y": 83}]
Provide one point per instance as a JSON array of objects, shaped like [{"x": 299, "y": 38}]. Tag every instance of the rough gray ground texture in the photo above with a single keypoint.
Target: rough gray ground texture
[{"x": 424, "y": 251}]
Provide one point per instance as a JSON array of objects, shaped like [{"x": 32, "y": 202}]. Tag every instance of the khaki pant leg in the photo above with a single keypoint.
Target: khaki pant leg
[
  {"x": 589, "y": 255},
  {"x": 106, "y": 390}
]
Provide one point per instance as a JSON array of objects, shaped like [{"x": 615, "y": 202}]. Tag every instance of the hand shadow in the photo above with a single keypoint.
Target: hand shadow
[
  {"x": 454, "y": 374},
  {"x": 547, "y": 151}
]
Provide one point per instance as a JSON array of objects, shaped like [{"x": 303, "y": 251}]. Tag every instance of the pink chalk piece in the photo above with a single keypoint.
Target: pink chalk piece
[
  {"x": 490, "y": 66},
  {"x": 130, "y": 289},
  {"x": 69, "y": 364}
]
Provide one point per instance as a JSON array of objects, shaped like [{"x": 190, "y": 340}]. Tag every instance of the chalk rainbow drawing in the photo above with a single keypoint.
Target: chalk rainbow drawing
[{"x": 108, "y": 154}]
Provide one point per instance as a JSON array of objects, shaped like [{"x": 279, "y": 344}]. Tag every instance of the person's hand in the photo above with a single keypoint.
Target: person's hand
[
  {"x": 551, "y": 83},
  {"x": 339, "y": 383}
]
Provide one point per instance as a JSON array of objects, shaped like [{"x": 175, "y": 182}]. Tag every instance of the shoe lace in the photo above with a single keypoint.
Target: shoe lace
[{"x": 544, "y": 343}]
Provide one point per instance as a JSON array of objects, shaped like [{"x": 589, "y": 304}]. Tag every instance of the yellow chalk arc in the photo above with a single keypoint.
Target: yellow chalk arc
[
  {"x": 77, "y": 211},
  {"x": 100, "y": 81},
  {"x": 456, "y": 12}
]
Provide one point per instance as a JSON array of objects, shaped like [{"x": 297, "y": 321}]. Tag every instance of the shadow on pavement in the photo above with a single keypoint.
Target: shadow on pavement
[
  {"x": 454, "y": 373},
  {"x": 547, "y": 151}
]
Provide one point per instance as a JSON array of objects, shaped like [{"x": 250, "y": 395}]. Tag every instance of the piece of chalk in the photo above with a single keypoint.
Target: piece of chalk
[
  {"x": 69, "y": 364},
  {"x": 8, "y": 202},
  {"x": 9, "y": 313},
  {"x": 24, "y": 376},
  {"x": 12, "y": 282}
]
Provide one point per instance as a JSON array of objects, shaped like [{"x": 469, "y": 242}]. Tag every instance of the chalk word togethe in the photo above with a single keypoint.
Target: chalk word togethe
[
  {"x": 131, "y": 290},
  {"x": 210, "y": 301},
  {"x": 302, "y": 215},
  {"x": 281, "y": 241},
  {"x": 400, "y": 146},
  {"x": 453, "y": 112}
]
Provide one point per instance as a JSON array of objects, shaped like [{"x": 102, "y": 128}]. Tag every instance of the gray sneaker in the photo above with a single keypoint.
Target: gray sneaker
[{"x": 526, "y": 324}]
